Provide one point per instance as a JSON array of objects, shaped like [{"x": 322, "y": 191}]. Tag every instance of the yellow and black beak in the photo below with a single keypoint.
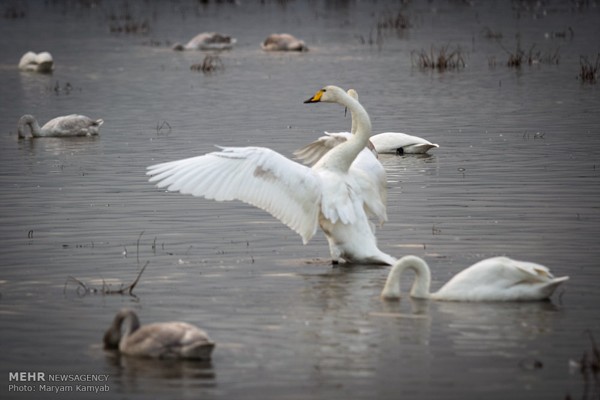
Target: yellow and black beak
[{"x": 317, "y": 97}]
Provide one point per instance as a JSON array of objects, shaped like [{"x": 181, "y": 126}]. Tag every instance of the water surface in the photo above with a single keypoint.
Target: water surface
[{"x": 517, "y": 174}]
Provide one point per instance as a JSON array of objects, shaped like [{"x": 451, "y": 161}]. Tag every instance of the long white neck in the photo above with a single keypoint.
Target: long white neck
[
  {"x": 342, "y": 156},
  {"x": 420, "y": 287},
  {"x": 352, "y": 93},
  {"x": 28, "y": 120}
]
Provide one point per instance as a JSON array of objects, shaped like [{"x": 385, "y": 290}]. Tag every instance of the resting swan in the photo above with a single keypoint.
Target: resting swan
[
  {"x": 207, "y": 41},
  {"x": 366, "y": 168},
  {"x": 158, "y": 340},
  {"x": 387, "y": 142},
  {"x": 492, "y": 279},
  {"x": 41, "y": 62},
  {"x": 400, "y": 143},
  {"x": 65, "y": 126},
  {"x": 302, "y": 198},
  {"x": 283, "y": 42}
]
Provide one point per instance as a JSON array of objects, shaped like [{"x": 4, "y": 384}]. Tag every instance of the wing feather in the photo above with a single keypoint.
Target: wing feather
[
  {"x": 312, "y": 152},
  {"x": 366, "y": 170},
  {"x": 255, "y": 175}
]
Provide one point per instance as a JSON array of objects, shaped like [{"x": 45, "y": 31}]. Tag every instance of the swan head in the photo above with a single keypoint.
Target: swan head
[
  {"x": 113, "y": 334},
  {"x": 329, "y": 94},
  {"x": 26, "y": 120},
  {"x": 353, "y": 93}
]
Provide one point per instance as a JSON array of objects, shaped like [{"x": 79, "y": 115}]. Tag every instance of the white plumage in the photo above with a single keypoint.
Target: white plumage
[
  {"x": 400, "y": 143},
  {"x": 283, "y": 42},
  {"x": 366, "y": 168},
  {"x": 207, "y": 41},
  {"x": 492, "y": 279},
  {"x": 41, "y": 62},
  {"x": 303, "y": 198}
]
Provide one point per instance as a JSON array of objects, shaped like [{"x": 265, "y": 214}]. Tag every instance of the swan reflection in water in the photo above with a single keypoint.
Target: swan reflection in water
[
  {"x": 354, "y": 323},
  {"x": 134, "y": 374}
]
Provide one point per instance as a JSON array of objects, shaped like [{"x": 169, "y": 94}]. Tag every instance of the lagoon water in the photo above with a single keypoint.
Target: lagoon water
[{"x": 517, "y": 174}]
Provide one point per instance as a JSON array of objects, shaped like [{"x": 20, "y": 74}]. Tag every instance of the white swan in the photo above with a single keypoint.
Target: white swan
[
  {"x": 67, "y": 125},
  {"x": 366, "y": 168},
  {"x": 207, "y": 41},
  {"x": 41, "y": 62},
  {"x": 400, "y": 143},
  {"x": 158, "y": 340},
  {"x": 492, "y": 279},
  {"x": 387, "y": 142},
  {"x": 300, "y": 197},
  {"x": 283, "y": 42}
]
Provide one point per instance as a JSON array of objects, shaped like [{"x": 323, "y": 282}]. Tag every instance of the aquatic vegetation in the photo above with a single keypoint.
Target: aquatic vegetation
[
  {"x": 123, "y": 21},
  {"x": 588, "y": 72},
  {"x": 533, "y": 56},
  {"x": 589, "y": 368},
  {"x": 57, "y": 89},
  {"x": 84, "y": 289},
  {"x": 163, "y": 128},
  {"x": 15, "y": 10},
  {"x": 387, "y": 22},
  {"x": 569, "y": 32},
  {"x": 441, "y": 60},
  {"x": 488, "y": 33},
  {"x": 211, "y": 63},
  {"x": 391, "y": 21}
]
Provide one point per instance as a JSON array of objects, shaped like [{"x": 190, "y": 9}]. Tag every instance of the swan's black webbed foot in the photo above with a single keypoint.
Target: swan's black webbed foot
[{"x": 334, "y": 262}]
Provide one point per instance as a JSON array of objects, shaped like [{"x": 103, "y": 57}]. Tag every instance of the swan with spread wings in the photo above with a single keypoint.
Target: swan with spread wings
[{"x": 324, "y": 195}]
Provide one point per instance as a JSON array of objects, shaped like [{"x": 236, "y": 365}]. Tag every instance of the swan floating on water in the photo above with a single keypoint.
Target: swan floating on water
[
  {"x": 41, "y": 62},
  {"x": 400, "y": 143},
  {"x": 65, "y": 126},
  {"x": 207, "y": 41},
  {"x": 492, "y": 279},
  {"x": 158, "y": 340},
  {"x": 302, "y": 198},
  {"x": 283, "y": 42},
  {"x": 387, "y": 142}
]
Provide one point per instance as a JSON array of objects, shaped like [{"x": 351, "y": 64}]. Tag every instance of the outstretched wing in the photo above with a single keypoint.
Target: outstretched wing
[
  {"x": 366, "y": 170},
  {"x": 255, "y": 175},
  {"x": 312, "y": 152}
]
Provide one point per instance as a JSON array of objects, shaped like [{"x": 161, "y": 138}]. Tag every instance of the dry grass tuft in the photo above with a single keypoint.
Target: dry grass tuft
[
  {"x": 211, "y": 63},
  {"x": 391, "y": 21},
  {"x": 531, "y": 57},
  {"x": 441, "y": 60},
  {"x": 588, "y": 72}
]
